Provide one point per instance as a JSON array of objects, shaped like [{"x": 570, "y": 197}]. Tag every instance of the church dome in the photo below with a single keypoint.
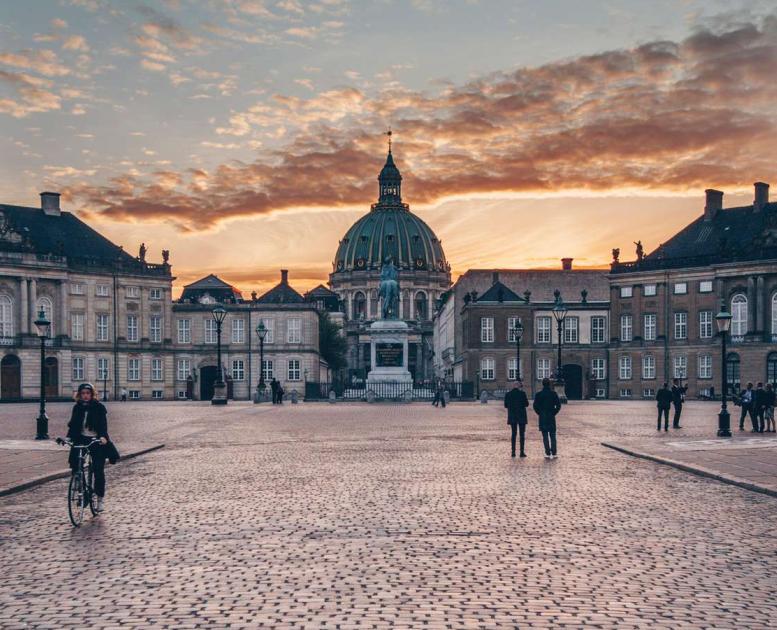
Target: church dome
[{"x": 390, "y": 229}]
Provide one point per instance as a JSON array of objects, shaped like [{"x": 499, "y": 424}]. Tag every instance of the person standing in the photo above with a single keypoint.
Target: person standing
[
  {"x": 274, "y": 390},
  {"x": 516, "y": 403},
  {"x": 279, "y": 393},
  {"x": 746, "y": 399},
  {"x": 546, "y": 406},
  {"x": 664, "y": 402},
  {"x": 678, "y": 395},
  {"x": 770, "y": 399},
  {"x": 759, "y": 407},
  {"x": 123, "y": 394}
]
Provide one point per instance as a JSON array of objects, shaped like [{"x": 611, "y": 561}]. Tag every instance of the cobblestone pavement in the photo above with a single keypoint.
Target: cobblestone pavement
[{"x": 370, "y": 516}]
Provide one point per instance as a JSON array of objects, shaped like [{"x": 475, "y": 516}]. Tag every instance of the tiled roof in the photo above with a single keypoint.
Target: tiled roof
[{"x": 500, "y": 293}]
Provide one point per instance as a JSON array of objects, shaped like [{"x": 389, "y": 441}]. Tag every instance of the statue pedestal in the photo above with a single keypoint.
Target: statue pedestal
[{"x": 388, "y": 352}]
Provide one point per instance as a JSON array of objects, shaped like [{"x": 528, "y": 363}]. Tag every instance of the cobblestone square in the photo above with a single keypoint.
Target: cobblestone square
[{"x": 355, "y": 515}]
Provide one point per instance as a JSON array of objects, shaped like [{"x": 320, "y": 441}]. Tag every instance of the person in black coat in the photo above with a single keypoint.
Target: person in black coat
[
  {"x": 274, "y": 388},
  {"x": 516, "y": 404},
  {"x": 759, "y": 407},
  {"x": 678, "y": 393},
  {"x": 664, "y": 402},
  {"x": 546, "y": 406},
  {"x": 746, "y": 400},
  {"x": 770, "y": 399},
  {"x": 89, "y": 420}
]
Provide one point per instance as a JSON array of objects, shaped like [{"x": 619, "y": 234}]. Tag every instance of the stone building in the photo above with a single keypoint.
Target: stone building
[
  {"x": 664, "y": 304},
  {"x": 390, "y": 229},
  {"x": 110, "y": 312}
]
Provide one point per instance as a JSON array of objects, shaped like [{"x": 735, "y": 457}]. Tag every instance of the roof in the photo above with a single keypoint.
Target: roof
[
  {"x": 540, "y": 283},
  {"x": 500, "y": 293},
  {"x": 210, "y": 281},
  {"x": 214, "y": 287},
  {"x": 320, "y": 291},
  {"x": 281, "y": 293}
]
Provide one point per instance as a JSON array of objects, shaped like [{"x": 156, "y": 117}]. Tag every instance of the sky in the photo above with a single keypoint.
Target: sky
[{"x": 246, "y": 136}]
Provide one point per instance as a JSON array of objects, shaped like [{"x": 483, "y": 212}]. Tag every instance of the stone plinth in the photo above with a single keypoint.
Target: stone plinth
[{"x": 388, "y": 352}]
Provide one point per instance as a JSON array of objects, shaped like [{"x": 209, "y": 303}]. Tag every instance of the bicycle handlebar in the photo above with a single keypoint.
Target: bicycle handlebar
[{"x": 69, "y": 442}]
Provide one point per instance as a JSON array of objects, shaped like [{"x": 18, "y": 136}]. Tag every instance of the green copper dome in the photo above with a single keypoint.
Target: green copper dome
[{"x": 390, "y": 229}]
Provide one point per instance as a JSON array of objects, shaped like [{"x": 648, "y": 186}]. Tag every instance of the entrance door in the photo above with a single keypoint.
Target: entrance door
[
  {"x": 52, "y": 377},
  {"x": 10, "y": 377},
  {"x": 208, "y": 375},
  {"x": 573, "y": 381}
]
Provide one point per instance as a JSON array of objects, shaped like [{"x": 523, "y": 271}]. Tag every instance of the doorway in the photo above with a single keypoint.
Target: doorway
[
  {"x": 52, "y": 377},
  {"x": 573, "y": 381},
  {"x": 208, "y": 376},
  {"x": 10, "y": 377}
]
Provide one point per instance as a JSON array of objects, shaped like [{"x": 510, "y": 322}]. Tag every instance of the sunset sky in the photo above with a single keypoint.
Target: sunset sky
[{"x": 247, "y": 135}]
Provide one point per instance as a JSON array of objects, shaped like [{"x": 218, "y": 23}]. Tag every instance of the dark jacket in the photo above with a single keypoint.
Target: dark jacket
[
  {"x": 760, "y": 397},
  {"x": 770, "y": 397},
  {"x": 664, "y": 398},
  {"x": 516, "y": 403},
  {"x": 95, "y": 416},
  {"x": 677, "y": 394},
  {"x": 546, "y": 406}
]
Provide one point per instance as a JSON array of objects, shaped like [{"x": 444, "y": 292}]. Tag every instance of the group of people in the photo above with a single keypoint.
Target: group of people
[
  {"x": 277, "y": 392},
  {"x": 758, "y": 403},
  {"x": 546, "y": 405},
  {"x": 665, "y": 398}
]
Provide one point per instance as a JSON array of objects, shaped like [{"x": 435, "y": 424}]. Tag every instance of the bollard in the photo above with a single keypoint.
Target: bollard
[
  {"x": 294, "y": 397},
  {"x": 332, "y": 397},
  {"x": 447, "y": 395},
  {"x": 483, "y": 397},
  {"x": 370, "y": 396}
]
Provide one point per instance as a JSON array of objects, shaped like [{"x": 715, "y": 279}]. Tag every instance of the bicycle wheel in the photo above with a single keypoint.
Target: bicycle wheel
[
  {"x": 75, "y": 498},
  {"x": 92, "y": 495}
]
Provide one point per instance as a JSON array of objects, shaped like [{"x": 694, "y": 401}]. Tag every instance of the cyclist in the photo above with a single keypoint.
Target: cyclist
[{"x": 90, "y": 421}]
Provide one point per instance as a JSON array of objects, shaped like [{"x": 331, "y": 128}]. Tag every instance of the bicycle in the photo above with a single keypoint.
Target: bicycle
[{"x": 80, "y": 491}]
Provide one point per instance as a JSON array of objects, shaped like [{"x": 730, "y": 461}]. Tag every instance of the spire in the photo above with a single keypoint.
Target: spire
[{"x": 390, "y": 180}]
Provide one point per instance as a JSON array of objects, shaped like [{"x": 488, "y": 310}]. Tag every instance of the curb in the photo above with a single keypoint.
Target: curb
[
  {"x": 695, "y": 470},
  {"x": 66, "y": 473}
]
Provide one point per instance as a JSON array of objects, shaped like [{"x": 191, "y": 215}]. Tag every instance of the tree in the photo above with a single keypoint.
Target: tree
[{"x": 331, "y": 342}]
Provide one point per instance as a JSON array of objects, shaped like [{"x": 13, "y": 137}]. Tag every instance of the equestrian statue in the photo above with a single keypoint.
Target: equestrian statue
[{"x": 389, "y": 289}]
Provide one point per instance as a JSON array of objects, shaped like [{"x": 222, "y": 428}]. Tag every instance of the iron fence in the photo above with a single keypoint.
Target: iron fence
[{"x": 388, "y": 390}]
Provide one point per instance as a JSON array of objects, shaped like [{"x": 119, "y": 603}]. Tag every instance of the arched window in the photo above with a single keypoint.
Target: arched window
[
  {"x": 421, "y": 310},
  {"x": 359, "y": 305},
  {"x": 44, "y": 304},
  {"x": 6, "y": 316},
  {"x": 373, "y": 303},
  {"x": 774, "y": 315},
  {"x": 738, "y": 315},
  {"x": 732, "y": 372},
  {"x": 771, "y": 368}
]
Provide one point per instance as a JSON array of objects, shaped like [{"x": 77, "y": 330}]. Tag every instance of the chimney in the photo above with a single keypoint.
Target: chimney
[
  {"x": 494, "y": 277},
  {"x": 49, "y": 202},
  {"x": 566, "y": 264},
  {"x": 761, "y": 196},
  {"x": 284, "y": 276},
  {"x": 714, "y": 203}
]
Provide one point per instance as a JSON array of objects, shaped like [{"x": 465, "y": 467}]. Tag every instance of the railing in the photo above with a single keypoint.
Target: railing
[
  {"x": 388, "y": 390},
  {"x": 653, "y": 264}
]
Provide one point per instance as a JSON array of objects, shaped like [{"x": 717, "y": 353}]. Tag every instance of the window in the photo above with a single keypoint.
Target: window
[
  {"x": 543, "y": 369},
  {"x": 294, "y": 371},
  {"x": 238, "y": 370},
  {"x": 681, "y": 325},
  {"x": 625, "y": 392},
  {"x": 681, "y": 367},
  {"x": 627, "y": 292},
  {"x": 102, "y": 290},
  {"x": 267, "y": 370},
  {"x": 648, "y": 366},
  {"x": 157, "y": 372},
  {"x": 155, "y": 294},
  {"x": 294, "y": 330},
  {"x": 626, "y": 330},
  {"x": 771, "y": 368},
  {"x": 512, "y": 324},
  {"x": 705, "y": 324},
  {"x": 269, "y": 324},
  {"x": 134, "y": 394},
  {"x": 649, "y": 290},
  {"x": 132, "y": 292},
  {"x": 44, "y": 304},
  {"x": 157, "y": 394},
  {"x": 133, "y": 369},
  {"x": 597, "y": 330},
  {"x": 155, "y": 328},
  {"x": 774, "y": 317},
  {"x": 601, "y": 392},
  {"x": 6, "y": 316},
  {"x": 571, "y": 327},
  {"x": 733, "y": 373},
  {"x": 624, "y": 368},
  {"x": 487, "y": 369},
  {"x": 649, "y": 327},
  {"x": 210, "y": 330},
  {"x": 77, "y": 326},
  {"x": 738, "y": 316},
  {"x": 78, "y": 368},
  {"x": 543, "y": 329},
  {"x": 487, "y": 329},
  {"x": 182, "y": 394},
  {"x": 421, "y": 302},
  {"x": 101, "y": 322},
  {"x": 184, "y": 331},
  {"x": 649, "y": 393},
  {"x": 512, "y": 369},
  {"x": 238, "y": 331},
  {"x": 102, "y": 369},
  {"x": 705, "y": 286},
  {"x": 680, "y": 288},
  {"x": 359, "y": 305},
  {"x": 598, "y": 369},
  {"x": 705, "y": 366},
  {"x": 183, "y": 369},
  {"x": 77, "y": 288},
  {"x": 132, "y": 328}
]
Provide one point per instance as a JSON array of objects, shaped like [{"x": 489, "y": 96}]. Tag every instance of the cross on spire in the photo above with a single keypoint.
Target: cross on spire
[{"x": 388, "y": 133}]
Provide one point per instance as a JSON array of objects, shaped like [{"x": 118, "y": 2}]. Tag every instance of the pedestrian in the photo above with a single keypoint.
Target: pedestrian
[
  {"x": 745, "y": 400},
  {"x": 123, "y": 394},
  {"x": 89, "y": 420},
  {"x": 770, "y": 399},
  {"x": 274, "y": 390},
  {"x": 678, "y": 396},
  {"x": 279, "y": 393},
  {"x": 664, "y": 402},
  {"x": 516, "y": 403},
  {"x": 546, "y": 406},
  {"x": 436, "y": 400},
  {"x": 759, "y": 407}
]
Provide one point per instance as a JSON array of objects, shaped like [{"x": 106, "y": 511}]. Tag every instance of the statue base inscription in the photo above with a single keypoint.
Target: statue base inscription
[{"x": 388, "y": 352}]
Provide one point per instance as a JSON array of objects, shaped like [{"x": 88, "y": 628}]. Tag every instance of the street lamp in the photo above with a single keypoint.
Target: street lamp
[
  {"x": 42, "y": 424},
  {"x": 219, "y": 387},
  {"x": 560, "y": 314},
  {"x": 518, "y": 334},
  {"x": 723, "y": 320},
  {"x": 261, "y": 332}
]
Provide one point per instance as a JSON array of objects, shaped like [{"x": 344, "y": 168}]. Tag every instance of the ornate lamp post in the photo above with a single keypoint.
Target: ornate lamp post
[
  {"x": 560, "y": 314},
  {"x": 261, "y": 332},
  {"x": 723, "y": 320},
  {"x": 42, "y": 424},
  {"x": 518, "y": 334},
  {"x": 219, "y": 387}
]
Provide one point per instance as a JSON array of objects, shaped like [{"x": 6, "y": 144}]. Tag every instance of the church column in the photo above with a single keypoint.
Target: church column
[
  {"x": 369, "y": 304},
  {"x": 760, "y": 305},
  {"x": 401, "y": 302},
  {"x": 412, "y": 307},
  {"x": 430, "y": 297},
  {"x": 350, "y": 305},
  {"x": 24, "y": 315}
]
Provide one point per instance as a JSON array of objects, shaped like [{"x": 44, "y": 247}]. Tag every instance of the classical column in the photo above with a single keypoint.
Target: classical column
[
  {"x": 350, "y": 305},
  {"x": 412, "y": 307},
  {"x": 63, "y": 310},
  {"x": 24, "y": 315},
  {"x": 33, "y": 302},
  {"x": 751, "y": 304},
  {"x": 760, "y": 305},
  {"x": 401, "y": 302},
  {"x": 369, "y": 304},
  {"x": 431, "y": 303}
]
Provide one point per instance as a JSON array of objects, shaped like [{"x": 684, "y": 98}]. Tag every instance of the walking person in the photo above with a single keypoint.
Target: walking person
[
  {"x": 546, "y": 406},
  {"x": 678, "y": 396},
  {"x": 759, "y": 407},
  {"x": 516, "y": 403},
  {"x": 664, "y": 402},
  {"x": 436, "y": 400},
  {"x": 770, "y": 399},
  {"x": 746, "y": 399},
  {"x": 123, "y": 394}
]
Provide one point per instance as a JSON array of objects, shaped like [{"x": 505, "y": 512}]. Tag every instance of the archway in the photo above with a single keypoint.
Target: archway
[
  {"x": 52, "y": 377},
  {"x": 208, "y": 376},
  {"x": 10, "y": 377}
]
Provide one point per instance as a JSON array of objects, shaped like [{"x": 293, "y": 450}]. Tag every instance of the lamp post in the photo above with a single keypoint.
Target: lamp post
[
  {"x": 723, "y": 320},
  {"x": 42, "y": 423},
  {"x": 219, "y": 387},
  {"x": 261, "y": 332},
  {"x": 560, "y": 314},
  {"x": 518, "y": 333}
]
